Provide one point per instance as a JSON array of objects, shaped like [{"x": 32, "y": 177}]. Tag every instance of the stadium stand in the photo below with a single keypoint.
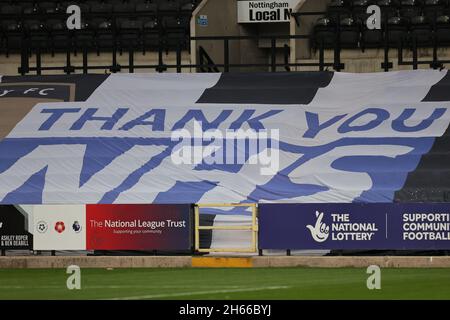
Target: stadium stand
[
  {"x": 338, "y": 39},
  {"x": 105, "y": 24},
  {"x": 404, "y": 22},
  {"x": 160, "y": 36}
]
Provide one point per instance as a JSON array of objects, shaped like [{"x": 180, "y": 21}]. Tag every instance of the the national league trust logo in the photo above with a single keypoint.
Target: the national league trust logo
[{"x": 320, "y": 231}]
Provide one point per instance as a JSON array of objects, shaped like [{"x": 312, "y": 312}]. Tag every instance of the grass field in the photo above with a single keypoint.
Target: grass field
[{"x": 273, "y": 283}]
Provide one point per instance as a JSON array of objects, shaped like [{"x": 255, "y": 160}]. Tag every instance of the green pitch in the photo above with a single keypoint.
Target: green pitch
[{"x": 186, "y": 284}]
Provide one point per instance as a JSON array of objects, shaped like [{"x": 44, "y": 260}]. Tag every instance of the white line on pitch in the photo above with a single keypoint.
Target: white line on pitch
[
  {"x": 194, "y": 293},
  {"x": 113, "y": 287}
]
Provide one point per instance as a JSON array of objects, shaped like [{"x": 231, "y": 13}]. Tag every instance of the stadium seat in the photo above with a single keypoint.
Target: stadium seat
[
  {"x": 101, "y": 7},
  {"x": 433, "y": 9},
  {"x": 174, "y": 32},
  {"x": 36, "y": 33},
  {"x": 13, "y": 35},
  {"x": 49, "y": 7},
  {"x": 349, "y": 33},
  {"x": 116, "y": 2},
  {"x": 171, "y": 22},
  {"x": 421, "y": 31},
  {"x": 338, "y": 10},
  {"x": 150, "y": 40},
  {"x": 388, "y": 8},
  {"x": 147, "y": 7},
  {"x": 149, "y": 23},
  {"x": 123, "y": 8},
  {"x": 85, "y": 37},
  {"x": 187, "y": 5},
  {"x": 11, "y": 9},
  {"x": 85, "y": 8},
  {"x": 30, "y": 8},
  {"x": 150, "y": 33},
  {"x": 324, "y": 33},
  {"x": 104, "y": 37},
  {"x": 60, "y": 39},
  {"x": 397, "y": 31},
  {"x": 359, "y": 11},
  {"x": 168, "y": 6},
  {"x": 371, "y": 38},
  {"x": 410, "y": 9},
  {"x": 443, "y": 30},
  {"x": 130, "y": 33}
]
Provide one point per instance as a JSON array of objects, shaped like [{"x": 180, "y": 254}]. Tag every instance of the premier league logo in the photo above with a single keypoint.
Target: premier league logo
[{"x": 76, "y": 227}]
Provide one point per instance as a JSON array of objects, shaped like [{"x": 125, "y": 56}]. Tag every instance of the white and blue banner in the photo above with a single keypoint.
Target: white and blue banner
[{"x": 175, "y": 138}]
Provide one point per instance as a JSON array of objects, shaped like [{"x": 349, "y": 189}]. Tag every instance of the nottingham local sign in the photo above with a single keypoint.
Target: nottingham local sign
[{"x": 259, "y": 11}]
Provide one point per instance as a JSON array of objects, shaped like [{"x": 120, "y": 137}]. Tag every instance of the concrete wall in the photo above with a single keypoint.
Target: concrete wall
[
  {"x": 222, "y": 21},
  {"x": 224, "y": 262}
]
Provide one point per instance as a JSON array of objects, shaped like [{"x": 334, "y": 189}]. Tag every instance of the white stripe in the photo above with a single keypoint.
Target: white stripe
[
  {"x": 194, "y": 293},
  {"x": 358, "y": 89},
  {"x": 153, "y": 89},
  {"x": 113, "y": 287}
]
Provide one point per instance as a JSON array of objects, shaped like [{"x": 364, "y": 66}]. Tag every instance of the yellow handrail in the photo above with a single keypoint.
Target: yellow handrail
[{"x": 253, "y": 227}]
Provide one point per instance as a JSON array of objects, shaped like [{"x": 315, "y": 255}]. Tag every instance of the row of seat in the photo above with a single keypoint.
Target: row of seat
[
  {"x": 49, "y": 7},
  {"x": 161, "y": 22},
  {"x": 105, "y": 24},
  {"x": 339, "y": 9},
  {"x": 404, "y": 22},
  {"x": 398, "y": 32},
  {"x": 350, "y": 4},
  {"x": 101, "y": 38}
]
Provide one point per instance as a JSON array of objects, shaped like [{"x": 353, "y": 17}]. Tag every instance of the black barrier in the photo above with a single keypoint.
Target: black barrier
[
  {"x": 14, "y": 234},
  {"x": 138, "y": 227},
  {"x": 350, "y": 226},
  {"x": 161, "y": 66},
  {"x": 141, "y": 228}
]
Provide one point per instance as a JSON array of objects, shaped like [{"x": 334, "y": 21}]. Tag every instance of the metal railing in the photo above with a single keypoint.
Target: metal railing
[
  {"x": 162, "y": 66},
  {"x": 253, "y": 228},
  {"x": 206, "y": 63}
]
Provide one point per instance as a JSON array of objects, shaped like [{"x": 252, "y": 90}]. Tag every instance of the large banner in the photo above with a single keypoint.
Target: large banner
[
  {"x": 14, "y": 234},
  {"x": 138, "y": 227},
  {"x": 112, "y": 227},
  {"x": 413, "y": 226},
  {"x": 301, "y": 137}
]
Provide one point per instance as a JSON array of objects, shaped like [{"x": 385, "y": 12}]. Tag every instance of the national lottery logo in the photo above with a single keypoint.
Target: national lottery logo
[{"x": 320, "y": 231}]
